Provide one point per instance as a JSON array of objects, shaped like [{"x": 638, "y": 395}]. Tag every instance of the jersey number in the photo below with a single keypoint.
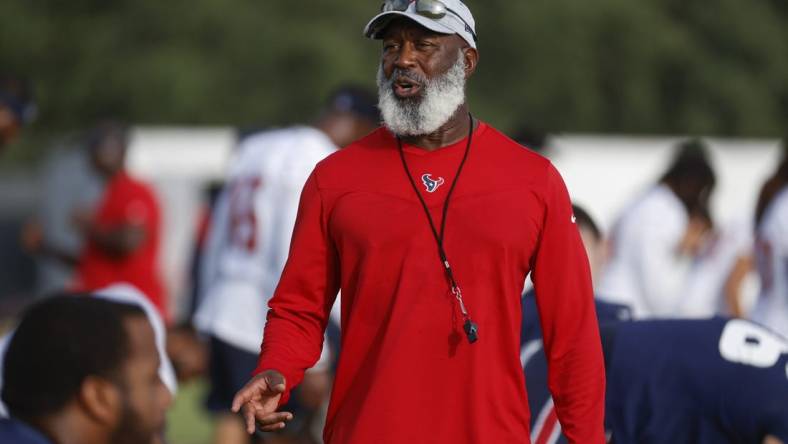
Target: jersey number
[
  {"x": 243, "y": 219},
  {"x": 750, "y": 344}
]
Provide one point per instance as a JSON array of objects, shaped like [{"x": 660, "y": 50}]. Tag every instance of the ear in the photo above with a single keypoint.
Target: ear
[
  {"x": 471, "y": 56},
  {"x": 101, "y": 400}
]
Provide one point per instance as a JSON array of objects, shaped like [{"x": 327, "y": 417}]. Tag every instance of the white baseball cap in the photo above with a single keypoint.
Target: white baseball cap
[{"x": 442, "y": 16}]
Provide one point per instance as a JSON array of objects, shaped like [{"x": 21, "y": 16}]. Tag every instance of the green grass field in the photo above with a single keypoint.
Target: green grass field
[{"x": 187, "y": 421}]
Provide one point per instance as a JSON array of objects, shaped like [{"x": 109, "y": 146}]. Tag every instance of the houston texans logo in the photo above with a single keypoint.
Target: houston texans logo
[{"x": 430, "y": 183}]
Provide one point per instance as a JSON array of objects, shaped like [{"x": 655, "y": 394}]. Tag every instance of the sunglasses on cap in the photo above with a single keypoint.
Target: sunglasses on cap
[{"x": 433, "y": 9}]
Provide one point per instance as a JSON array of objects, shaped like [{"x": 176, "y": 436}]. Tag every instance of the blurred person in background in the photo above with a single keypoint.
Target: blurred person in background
[
  {"x": 717, "y": 277},
  {"x": 709, "y": 381},
  {"x": 689, "y": 381},
  {"x": 247, "y": 247},
  {"x": 593, "y": 241},
  {"x": 123, "y": 231},
  {"x": 17, "y": 107},
  {"x": 424, "y": 360},
  {"x": 771, "y": 222},
  {"x": 695, "y": 382},
  {"x": 70, "y": 186},
  {"x": 69, "y": 183},
  {"x": 83, "y": 370},
  {"x": 655, "y": 240}
]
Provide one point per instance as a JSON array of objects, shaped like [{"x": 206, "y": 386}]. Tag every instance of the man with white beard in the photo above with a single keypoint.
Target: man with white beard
[{"x": 429, "y": 226}]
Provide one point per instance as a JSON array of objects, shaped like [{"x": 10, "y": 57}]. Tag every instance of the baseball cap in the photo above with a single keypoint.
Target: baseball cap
[
  {"x": 355, "y": 100},
  {"x": 457, "y": 19}
]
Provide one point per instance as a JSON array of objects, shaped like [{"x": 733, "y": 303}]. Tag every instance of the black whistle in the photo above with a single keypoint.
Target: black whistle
[{"x": 471, "y": 331}]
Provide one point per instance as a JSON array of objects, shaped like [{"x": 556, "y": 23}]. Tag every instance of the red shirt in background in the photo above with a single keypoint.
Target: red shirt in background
[
  {"x": 406, "y": 373},
  {"x": 126, "y": 201}
]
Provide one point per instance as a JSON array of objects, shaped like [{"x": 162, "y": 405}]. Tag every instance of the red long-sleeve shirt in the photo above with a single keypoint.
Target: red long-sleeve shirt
[
  {"x": 406, "y": 373},
  {"x": 126, "y": 201}
]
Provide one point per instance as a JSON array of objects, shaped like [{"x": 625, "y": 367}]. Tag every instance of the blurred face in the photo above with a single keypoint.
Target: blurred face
[
  {"x": 146, "y": 398},
  {"x": 345, "y": 128},
  {"x": 421, "y": 78},
  {"x": 109, "y": 155}
]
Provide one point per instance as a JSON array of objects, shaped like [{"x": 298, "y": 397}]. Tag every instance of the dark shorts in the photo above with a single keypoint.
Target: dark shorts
[{"x": 229, "y": 369}]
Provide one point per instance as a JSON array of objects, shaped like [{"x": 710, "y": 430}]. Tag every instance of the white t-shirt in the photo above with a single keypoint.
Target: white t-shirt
[
  {"x": 644, "y": 271},
  {"x": 771, "y": 255},
  {"x": 128, "y": 294},
  {"x": 250, "y": 230},
  {"x": 703, "y": 295}
]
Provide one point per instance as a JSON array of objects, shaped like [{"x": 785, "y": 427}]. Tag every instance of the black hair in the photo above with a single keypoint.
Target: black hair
[
  {"x": 583, "y": 219},
  {"x": 356, "y": 100},
  {"x": 57, "y": 345},
  {"x": 531, "y": 138},
  {"x": 691, "y": 176},
  {"x": 772, "y": 186},
  {"x": 106, "y": 129}
]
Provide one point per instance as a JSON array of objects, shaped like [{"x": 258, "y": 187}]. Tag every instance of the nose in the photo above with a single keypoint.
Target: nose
[{"x": 406, "y": 57}]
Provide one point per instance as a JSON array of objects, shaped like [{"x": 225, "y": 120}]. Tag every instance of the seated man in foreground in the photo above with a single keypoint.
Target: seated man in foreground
[{"x": 84, "y": 370}]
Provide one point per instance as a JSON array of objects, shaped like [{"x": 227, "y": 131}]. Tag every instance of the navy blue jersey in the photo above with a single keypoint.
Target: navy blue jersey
[
  {"x": 17, "y": 432},
  {"x": 695, "y": 381},
  {"x": 530, "y": 327},
  {"x": 678, "y": 381},
  {"x": 545, "y": 428}
]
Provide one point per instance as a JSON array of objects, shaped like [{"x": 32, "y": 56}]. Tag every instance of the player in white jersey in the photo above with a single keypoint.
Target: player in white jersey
[
  {"x": 652, "y": 243},
  {"x": 249, "y": 238},
  {"x": 771, "y": 250}
]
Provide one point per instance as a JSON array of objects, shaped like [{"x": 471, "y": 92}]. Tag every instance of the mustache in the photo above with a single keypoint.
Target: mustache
[{"x": 411, "y": 75}]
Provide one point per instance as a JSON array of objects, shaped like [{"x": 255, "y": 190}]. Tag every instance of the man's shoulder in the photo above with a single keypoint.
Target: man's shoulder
[
  {"x": 379, "y": 138},
  {"x": 496, "y": 136},
  {"x": 363, "y": 151},
  {"x": 676, "y": 334},
  {"x": 279, "y": 153},
  {"x": 17, "y": 432},
  {"x": 514, "y": 157},
  {"x": 272, "y": 142},
  {"x": 127, "y": 184}
]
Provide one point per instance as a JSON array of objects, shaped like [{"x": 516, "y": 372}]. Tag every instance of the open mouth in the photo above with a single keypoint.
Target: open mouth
[{"x": 405, "y": 87}]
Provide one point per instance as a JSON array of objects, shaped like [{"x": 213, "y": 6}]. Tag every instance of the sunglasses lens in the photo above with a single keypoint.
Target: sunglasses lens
[
  {"x": 395, "y": 5},
  {"x": 431, "y": 8}
]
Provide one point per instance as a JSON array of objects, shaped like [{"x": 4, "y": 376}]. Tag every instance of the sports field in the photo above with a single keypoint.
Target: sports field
[{"x": 189, "y": 423}]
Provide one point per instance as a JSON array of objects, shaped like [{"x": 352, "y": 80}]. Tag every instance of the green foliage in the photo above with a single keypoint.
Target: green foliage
[{"x": 653, "y": 66}]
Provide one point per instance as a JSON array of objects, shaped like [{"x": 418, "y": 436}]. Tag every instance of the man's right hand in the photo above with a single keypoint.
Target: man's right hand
[{"x": 259, "y": 399}]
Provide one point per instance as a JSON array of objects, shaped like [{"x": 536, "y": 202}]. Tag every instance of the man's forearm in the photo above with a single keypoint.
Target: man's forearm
[{"x": 118, "y": 241}]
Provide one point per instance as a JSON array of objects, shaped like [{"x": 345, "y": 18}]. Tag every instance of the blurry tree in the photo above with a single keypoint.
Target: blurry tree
[{"x": 653, "y": 66}]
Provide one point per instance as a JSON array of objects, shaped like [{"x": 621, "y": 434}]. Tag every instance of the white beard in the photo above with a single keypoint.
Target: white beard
[{"x": 440, "y": 98}]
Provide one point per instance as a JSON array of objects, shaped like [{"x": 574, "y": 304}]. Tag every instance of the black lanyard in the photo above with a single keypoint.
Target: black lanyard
[{"x": 470, "y": 327}]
